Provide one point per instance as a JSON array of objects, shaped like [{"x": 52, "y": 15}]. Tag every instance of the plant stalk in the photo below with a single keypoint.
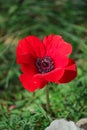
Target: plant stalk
[{"x": 47, "y": 99}]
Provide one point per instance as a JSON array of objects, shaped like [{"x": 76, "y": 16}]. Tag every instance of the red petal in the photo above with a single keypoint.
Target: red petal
[
  {"x": 70, "y": 72},
  {"x": 52, "y": 76},
  {"x": 56, "y": 46},
  {"x": 36, "y": 45},
  {"x": 29, "y": 69},
  {"x": 32, "y": 83},
  {"x": 29, "y": 47},
  {"x": 60, "y": 62},
  {"x": 22, "y": 52}
]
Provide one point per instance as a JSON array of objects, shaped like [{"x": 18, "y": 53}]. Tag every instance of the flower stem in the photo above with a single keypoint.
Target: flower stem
[{"x": 47, "y": 99}]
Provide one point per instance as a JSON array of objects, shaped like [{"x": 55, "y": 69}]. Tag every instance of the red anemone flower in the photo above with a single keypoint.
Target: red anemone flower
[{"x": 44, "y": 61}]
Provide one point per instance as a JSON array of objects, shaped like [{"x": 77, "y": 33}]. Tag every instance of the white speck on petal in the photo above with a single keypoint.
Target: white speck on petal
[{"x": 35, "y": 82}]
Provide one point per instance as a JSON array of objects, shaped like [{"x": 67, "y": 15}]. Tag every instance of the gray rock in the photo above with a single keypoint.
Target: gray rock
[{"x": 62, "y": 124}]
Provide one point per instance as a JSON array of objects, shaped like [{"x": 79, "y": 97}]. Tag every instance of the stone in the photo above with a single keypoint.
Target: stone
[
  {"x": 82, "y": 123},
  {"x": 63, "y": 124}
]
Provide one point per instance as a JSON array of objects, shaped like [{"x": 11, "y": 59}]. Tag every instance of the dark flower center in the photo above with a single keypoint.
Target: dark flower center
[{"x": 45, "y": 64}]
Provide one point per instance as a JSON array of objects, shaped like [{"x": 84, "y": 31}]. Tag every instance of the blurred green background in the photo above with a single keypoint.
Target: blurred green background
[{"x": 19, "y": 109}]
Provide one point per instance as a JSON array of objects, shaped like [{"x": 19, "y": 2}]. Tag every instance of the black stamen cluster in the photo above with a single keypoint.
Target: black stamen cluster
[{"x": 44, "y": 65}]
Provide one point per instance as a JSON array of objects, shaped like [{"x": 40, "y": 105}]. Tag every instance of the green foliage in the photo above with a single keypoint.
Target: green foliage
[
  {"x": 20, "y": 110},
  {"x": 23, "y": 121}
]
